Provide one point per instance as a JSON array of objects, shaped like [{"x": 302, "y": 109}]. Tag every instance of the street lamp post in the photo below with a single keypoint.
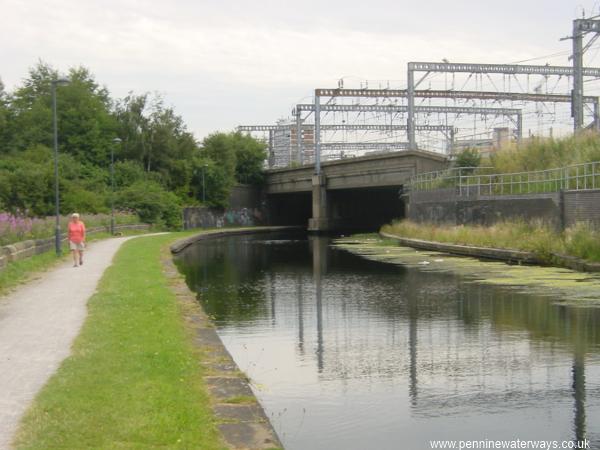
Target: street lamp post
[
  {"x": 55, "y": 83},
  {"x": 203, "y": 184},
  {"x": 116, "y": 141}
]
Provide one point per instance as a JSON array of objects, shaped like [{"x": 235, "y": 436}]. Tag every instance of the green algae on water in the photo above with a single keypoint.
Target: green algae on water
[{"x": 570, "y": 286}]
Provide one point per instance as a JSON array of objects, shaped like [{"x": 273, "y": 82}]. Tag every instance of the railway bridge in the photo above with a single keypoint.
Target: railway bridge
[{"x": 352, "y": 193}]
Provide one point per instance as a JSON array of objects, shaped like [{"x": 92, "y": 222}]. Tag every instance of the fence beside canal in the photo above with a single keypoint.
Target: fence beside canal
[
  {"x": 26, "y": 249},
  {"x": 470, "y": 181},
  {"x": 561, "y": 196}
]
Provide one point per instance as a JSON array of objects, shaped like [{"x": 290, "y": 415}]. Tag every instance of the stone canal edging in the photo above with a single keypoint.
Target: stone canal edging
[
  {"x": 508, "y": 255},
  {"x": 243, "y": 422},
  {"x": 25, "y": 249},
  {"x": 578, "y": 264},
  {"x": 184, "y": 243}
]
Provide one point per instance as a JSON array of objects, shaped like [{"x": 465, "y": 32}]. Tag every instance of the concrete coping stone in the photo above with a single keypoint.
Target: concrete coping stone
[
  {"x": 240, "y": 413},
  {"x": 246, "y": 435},
  {"x": 224, "y": 388},
  {"x": 8, "y": 250},
  {"x": 578, "y": 264},
  {"x": 24, "y": 245}
]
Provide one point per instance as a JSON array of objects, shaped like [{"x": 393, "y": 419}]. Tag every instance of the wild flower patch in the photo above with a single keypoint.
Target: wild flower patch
[{"x": 15, "y": 228}]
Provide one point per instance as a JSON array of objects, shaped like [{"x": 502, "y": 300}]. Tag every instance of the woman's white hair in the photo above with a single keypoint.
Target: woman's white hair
[{"x": 75, "y": 215}]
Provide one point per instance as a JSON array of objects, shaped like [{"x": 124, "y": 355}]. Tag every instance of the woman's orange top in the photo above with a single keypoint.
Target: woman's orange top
[{"x": 76, "y": 232}]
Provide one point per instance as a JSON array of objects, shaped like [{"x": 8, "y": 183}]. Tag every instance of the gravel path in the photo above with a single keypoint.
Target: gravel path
[{"x": 38, "y": 323}]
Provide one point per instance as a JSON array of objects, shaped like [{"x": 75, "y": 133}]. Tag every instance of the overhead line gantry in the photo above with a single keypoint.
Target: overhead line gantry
[{"x": 505, "y": 69}]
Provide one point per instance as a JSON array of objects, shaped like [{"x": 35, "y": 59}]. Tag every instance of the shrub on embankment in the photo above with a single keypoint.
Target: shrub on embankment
[
  {"x": 581, "y": 240},
  {"x": 546, "y": 153}
]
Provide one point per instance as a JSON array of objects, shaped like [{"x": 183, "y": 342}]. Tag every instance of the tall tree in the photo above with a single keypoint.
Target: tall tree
[
  {"x": 157, "y": 153},
  {"x": 4, "y": 119},
  {"x": 250, "y": 155},
  {"x": 133, "y": 126},
  {"x": 86, "y": 125},
  {"x": 229, "y": 157},
  {"x": 157, "y": 138},
  {"x": 218, "y": 152}
]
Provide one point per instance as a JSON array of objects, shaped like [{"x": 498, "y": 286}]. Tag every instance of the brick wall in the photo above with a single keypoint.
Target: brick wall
[
  {"x": 582, "y": 206},
  {"x": 448, "y": 208}
]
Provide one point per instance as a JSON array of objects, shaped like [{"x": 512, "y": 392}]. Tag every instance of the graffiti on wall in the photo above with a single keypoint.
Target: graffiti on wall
[
  {"x": 243, "y": 216},
  {"x": 211, "y": 218}
]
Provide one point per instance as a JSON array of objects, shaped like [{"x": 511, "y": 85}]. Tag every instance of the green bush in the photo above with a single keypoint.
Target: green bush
[
  {"x": 76, "y": 198},
  {"x": 468, "y": 157},
  {"x": 152, "y": 203},
  {"x": 128, "y": 173}
]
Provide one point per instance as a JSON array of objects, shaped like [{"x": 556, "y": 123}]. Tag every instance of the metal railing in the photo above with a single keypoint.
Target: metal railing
[{"x": 471, "y": 181}]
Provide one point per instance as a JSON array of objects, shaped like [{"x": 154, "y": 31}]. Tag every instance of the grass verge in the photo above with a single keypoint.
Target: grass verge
[
  {"x": 19, "y": 272},
  {"x": 133, "y": 379},
  {"x": 581, "y": 241}
]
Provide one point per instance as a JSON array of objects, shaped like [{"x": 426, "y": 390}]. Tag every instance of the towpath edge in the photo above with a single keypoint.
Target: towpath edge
[
  {"x": 244, "y": 425},
  {"x": 38, "y": 324}
]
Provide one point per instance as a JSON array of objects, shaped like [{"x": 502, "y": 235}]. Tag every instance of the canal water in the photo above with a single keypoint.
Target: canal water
[{"x": 348, "y": 353}]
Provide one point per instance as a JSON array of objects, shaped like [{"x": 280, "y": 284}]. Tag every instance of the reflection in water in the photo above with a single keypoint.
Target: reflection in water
[
  {"x": 412, "y": 346},
  {"x": 350, "y": 353},
  {"x": 579, "y": 394},
  {"x": 319, "y": 251},
  {"x": 300, "y": 315}
]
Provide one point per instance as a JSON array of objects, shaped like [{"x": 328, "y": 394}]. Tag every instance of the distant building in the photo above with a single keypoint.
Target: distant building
[
  {"x": 500, "y": 138},
  {"x": 284, "y": 144}
]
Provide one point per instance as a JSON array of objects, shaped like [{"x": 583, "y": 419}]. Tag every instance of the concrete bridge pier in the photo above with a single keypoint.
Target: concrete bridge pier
[{"x": 320, "y": 220}]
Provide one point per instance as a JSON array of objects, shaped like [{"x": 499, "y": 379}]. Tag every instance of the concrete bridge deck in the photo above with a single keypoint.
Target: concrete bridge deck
[{"x": 343, "y": 187}]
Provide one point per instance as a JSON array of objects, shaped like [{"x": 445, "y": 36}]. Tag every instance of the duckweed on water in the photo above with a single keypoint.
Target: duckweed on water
[{"x": 569, "y": 285}]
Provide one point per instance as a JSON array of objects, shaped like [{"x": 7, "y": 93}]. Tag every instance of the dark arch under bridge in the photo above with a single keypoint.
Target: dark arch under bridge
[{"x": 361, "y": 192}]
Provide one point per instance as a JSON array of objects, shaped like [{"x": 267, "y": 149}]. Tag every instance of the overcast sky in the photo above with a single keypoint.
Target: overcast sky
[{"x": 230, "y": 62}]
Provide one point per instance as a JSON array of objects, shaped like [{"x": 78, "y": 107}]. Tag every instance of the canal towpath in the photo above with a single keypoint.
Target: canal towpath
[{"x": 38, "y": 324}]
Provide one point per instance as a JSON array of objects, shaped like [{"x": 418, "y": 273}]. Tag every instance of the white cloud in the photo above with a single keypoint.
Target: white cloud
[{"x": 205, "y": 54}]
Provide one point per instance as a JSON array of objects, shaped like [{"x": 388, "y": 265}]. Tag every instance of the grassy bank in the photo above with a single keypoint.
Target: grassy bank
[
  {"x": 546, "y": 153},
  {"x": 580, "y": 241},
  {"x": 133, "y": 379},
  {"x": 18, "y": 272}
]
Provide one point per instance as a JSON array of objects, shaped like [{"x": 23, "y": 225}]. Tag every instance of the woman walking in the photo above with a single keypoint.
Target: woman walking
[{"x": 76, "y": 239}]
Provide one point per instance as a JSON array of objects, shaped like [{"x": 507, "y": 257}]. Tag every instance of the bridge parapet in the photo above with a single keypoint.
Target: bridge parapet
[{"x": 388, "y": 169}]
